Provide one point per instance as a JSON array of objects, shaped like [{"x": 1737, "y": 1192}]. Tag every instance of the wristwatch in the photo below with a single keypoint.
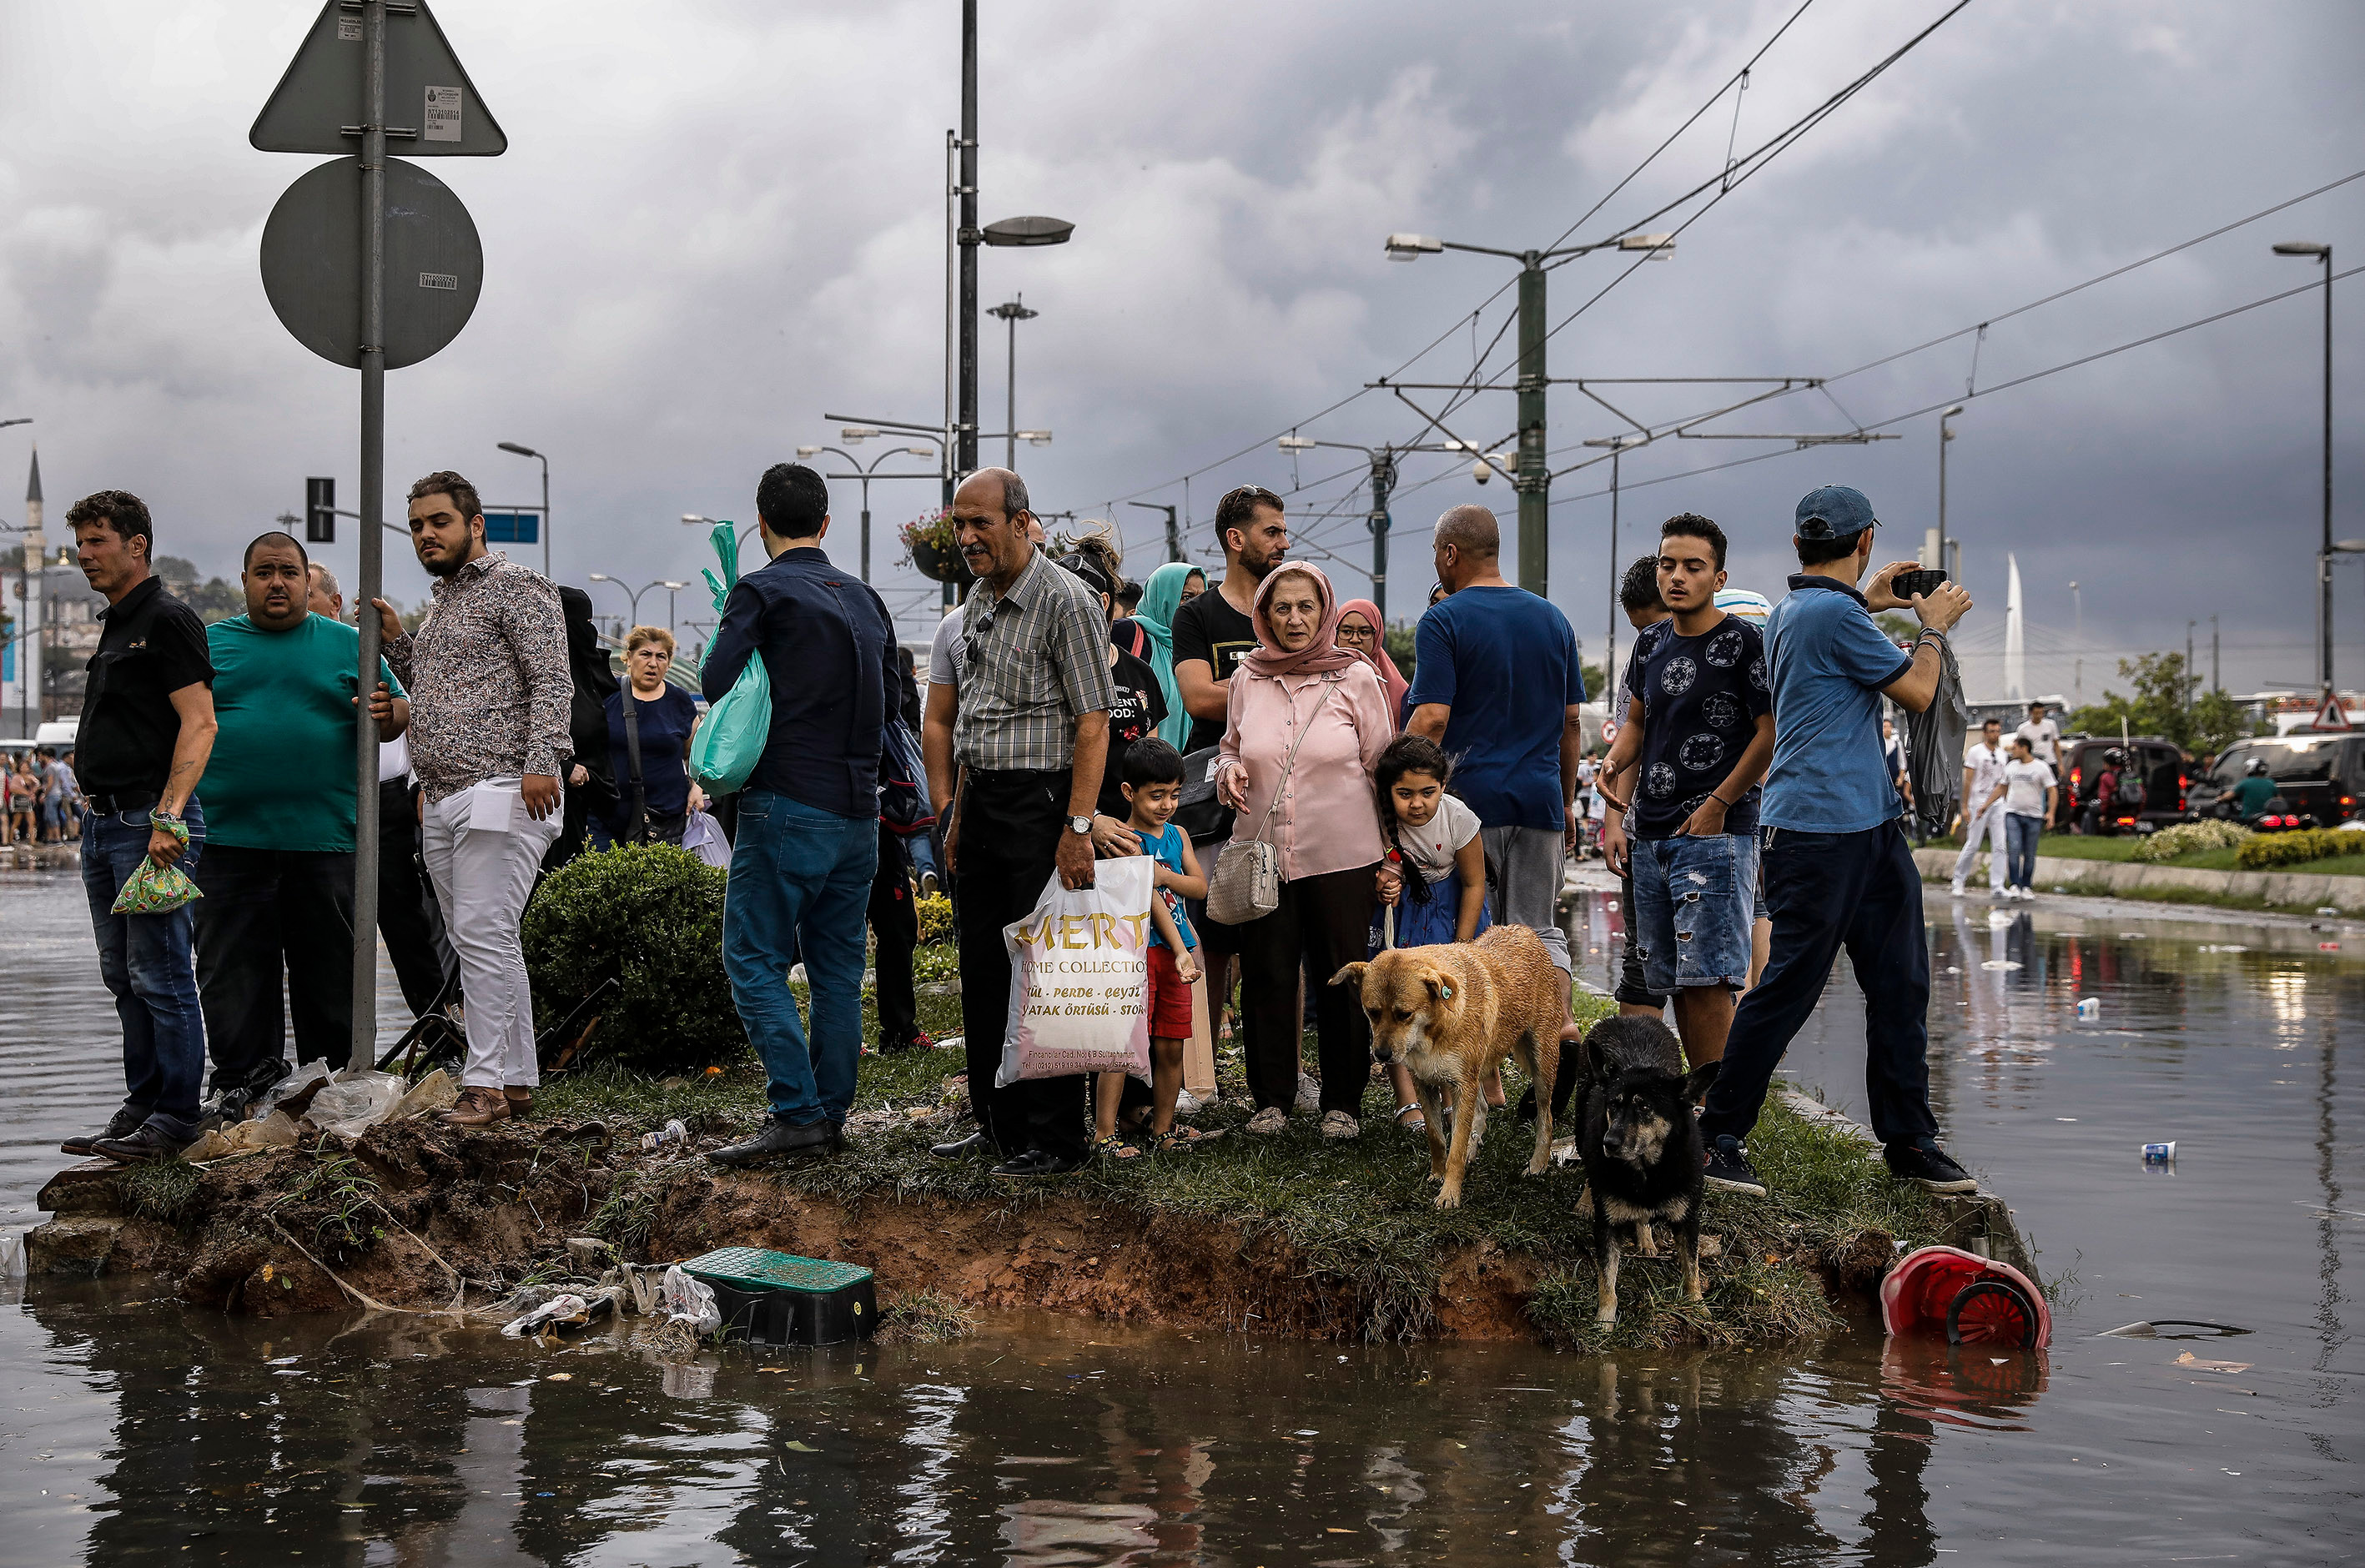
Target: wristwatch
[{"x": 1080, "y": 824}]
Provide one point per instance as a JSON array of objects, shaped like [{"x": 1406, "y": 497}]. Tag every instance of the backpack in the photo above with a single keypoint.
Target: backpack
[{"x": 2130, "y": 791}]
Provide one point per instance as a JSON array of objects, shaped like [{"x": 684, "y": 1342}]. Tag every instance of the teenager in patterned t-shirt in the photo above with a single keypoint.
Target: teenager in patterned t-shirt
[{"x": 1682, "y": 785}]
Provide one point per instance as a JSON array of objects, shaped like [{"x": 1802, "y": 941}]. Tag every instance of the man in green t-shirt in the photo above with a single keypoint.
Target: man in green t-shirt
[
  {"x": 2251, "y": 795},
  {"x": 278, "y": 871}
]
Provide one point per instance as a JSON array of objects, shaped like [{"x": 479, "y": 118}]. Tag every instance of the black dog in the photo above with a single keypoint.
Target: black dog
[{"x": 1642, "y": 1146}]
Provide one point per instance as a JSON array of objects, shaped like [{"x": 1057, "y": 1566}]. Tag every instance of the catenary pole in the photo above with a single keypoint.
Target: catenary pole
[
  {"x": 373, "y": 565},
  {"x": 1617, "y": 608},
  {"x": 1534, "y": 477},
  {"x": 965, "y": 434},
  {"x": 1383, "y": 478}
]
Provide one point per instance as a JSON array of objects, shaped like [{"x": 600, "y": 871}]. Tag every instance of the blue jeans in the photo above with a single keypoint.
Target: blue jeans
[
  {"x": 1825, "y": 892},
  {"x": 1693, "y": 900},
  {"x": 146, "y": 963},
  {"x": 2019, "y": 837},
  {"x": 800, "y": 884}
]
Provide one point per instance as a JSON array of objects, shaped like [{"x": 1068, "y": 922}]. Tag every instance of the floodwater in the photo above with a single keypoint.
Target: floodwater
[{"x": 136, "y": 1430}]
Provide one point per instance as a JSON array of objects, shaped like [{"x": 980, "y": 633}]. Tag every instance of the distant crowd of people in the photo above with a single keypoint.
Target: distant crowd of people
[
  {"x": 1746, "y": 800},
  {"x": 40, "y": 798}
]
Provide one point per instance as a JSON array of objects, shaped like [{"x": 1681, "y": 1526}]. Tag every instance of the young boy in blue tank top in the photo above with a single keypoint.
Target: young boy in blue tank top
[{"x": 1152, "y": 783}]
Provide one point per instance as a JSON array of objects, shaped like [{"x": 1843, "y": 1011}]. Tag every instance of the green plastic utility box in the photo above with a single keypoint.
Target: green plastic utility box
[{"x": 776, "y": 1299}]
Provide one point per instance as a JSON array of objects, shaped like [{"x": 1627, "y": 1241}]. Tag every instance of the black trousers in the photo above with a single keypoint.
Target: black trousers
[
  {"x": 1009, "y": 836},
  {"x": 268, "y": 913},
  {"x": 1825, "y": 892},
  {"x": 408, "y": 920},
  {"x": 1321, "y": 923},
  {"x": 895, "y": 926}
]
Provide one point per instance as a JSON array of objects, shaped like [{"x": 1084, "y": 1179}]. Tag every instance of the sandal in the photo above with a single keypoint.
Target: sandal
[
  {"x": 1420, "y": 1123},
  {"x": 1117, "y": 1146},
  {"x": 1182, "y": 1141}
]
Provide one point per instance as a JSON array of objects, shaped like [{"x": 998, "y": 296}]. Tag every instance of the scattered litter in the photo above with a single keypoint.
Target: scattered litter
[
  {"x": 2130, "y": 936},
  {"x": 436, "y": 1092},
  {"x": 356, "y": 1102},
  {"x": 1954, "y": 968},
  {"x": 2189, "y": 1359},
  {"x": 294, "y": 1093},
  {"x": 673, "y": 1132},
  {"x": 587, "y": 1252},
  {"x": 796, "y": 1447},
  {"x": 691, "y": 1311},
  {"x": 647, "y": 1285},
  {"x": 2000, "y": 964},
  {"x": 568, "y": 1310},
  {"x": 2090, "y": 1008},
  {"x": 2000, "y": 918},
  {"x": 2159, "y": 1153},
  {"x": 2326, "y": 909},
  {"x": 12, "y": 1254}
]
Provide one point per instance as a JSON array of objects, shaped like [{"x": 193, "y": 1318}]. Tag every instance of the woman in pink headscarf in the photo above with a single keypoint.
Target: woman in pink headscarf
[
  {"x": 1362, "y": 632},
  {"x": 1301, "y": 688}
]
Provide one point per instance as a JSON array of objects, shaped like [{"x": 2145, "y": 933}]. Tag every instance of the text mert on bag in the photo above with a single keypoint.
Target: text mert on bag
[
  {"x": 1079, "y": 977},
  {"x": 1246, "y": 883},
  {"x": 730, "y": 739}
]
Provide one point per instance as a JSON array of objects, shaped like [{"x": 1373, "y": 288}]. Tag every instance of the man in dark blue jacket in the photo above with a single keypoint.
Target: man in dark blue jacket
[{"x": 808, "y": 835}]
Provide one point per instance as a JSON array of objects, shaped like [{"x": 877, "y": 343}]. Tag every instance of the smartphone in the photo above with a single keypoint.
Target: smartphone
[{"x": 1907, "y": 585}]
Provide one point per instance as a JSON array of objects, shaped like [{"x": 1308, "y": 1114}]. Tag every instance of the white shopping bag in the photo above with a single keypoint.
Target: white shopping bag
[
  {"x": 704, "y": 838},
  {"x": 1079, "y": 977}
]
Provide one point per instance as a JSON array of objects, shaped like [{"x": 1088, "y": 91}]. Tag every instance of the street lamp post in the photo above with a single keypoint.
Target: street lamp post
[
  {"x": 855, "y": 435},
  {"x": 1012, "y": 311},
  {"x": 666, "y": 582},
  {"x": 1945, "y": 434},
  {"x": 538, "y": 457},
  {"x": 1617, "y": 445},
  {"x": 1532, "y": 479},
  {"x": 1383, "y": 481},
  {"x": 2324, "y": 557},
  {"x": 27, "y": 652}
]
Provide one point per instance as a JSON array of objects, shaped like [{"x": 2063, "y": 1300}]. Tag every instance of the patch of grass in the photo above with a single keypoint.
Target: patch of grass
[
  {"x": 161, "y": 1189},
  {"x": 629, "y": 1212},
  {"x": 927, "y": 1317},
  {"x": 341, "y": 1197}
]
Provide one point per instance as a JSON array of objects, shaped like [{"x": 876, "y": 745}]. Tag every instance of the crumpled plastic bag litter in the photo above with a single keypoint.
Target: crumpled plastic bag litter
[
  {"x": 560, "y": 1309},
  {"x": 294, "y": 1087},
  {"x": 690, "y": 1301},
  {"x": 354, "y": 1103},
  {"x": 158, "y": 889},
  {"x": 436, "y": 1092},
  {"x": 277, "y": 1130}
]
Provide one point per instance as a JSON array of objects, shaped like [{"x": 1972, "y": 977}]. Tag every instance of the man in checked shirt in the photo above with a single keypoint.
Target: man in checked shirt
[{"x": 489, "y": 687}]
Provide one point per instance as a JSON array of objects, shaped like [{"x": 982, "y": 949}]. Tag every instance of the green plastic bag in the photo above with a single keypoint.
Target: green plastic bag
[
  {"x": 158, "y": 889},
  {"x": 730, "y": 739}
]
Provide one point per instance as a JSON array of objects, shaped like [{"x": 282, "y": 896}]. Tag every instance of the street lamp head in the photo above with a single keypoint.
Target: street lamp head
[
  {"x": 2307, "y": 248},
  {"x": 854, "y": 435},
  {"x": 1660, "y": 247},
  {"x": 669, "y": 583},
  {"x": 1036, "y": 438},
  {"x": 521, "y": 451},
  {"x": 1026, "y": 231},
  {"x": 1952, "y": 412},
  {"x": 919, "y": 452},
  {"x": 1295, "y": 444},
  {"x": 6, "y": 423},
  {"x": 808, "y": 451},
  {"x": 1012, "y": 310},
  {"x": 1412, "y": 247},
  {"x": 1620, "y": 442},
  {"x": 601, "y": 578},
  {"x": 691, "y": 520},
  {"x": 2348, "y": 546}
]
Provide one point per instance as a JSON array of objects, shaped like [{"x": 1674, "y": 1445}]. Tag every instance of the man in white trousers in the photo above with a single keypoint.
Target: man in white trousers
[
  {"x": 490, "y": 690},
  {"x": 1982, "y": 772}
]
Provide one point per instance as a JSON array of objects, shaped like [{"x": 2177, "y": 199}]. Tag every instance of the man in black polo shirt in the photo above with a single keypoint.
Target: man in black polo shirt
[{"x": 147, "y": 731}]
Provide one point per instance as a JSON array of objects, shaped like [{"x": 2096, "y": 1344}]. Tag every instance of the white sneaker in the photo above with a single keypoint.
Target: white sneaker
[
  {"x": 1309, "y": 1095},
  {"x": 1185, "y": 1103},
  {"x": 1958, "y": 889}
]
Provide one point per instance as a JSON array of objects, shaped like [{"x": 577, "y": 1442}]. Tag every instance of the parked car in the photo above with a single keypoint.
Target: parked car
[
  {"x": 2320, "y": 778},
  {"x": 2157, "y": 762}
]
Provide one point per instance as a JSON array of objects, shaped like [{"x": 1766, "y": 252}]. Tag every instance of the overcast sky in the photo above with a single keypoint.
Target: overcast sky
[{"x": 718, "y": 221}]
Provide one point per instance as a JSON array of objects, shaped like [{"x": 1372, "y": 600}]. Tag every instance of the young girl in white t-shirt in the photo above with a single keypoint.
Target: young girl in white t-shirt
[{"x": 1434, "y": 879}]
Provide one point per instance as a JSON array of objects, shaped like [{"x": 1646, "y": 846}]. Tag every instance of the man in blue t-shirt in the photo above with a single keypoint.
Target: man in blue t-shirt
[
  {"x": 1497, "y": 683},
  {"x": 1837, "y": 870},
  {"x": 1682, "y": 778}
]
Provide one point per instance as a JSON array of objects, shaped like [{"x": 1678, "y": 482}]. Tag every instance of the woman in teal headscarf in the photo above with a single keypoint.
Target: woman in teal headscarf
[{"x": 1161, "y": 596}]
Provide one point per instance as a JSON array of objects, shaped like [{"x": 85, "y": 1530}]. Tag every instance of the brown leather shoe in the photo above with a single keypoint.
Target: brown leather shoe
[
  {"x": 521, "y": 1098},
  {"x": 477, "y": 1108}
]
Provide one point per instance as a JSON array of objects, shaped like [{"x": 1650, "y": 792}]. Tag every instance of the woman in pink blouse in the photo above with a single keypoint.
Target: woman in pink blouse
[{"x": 1325, "y": 826}]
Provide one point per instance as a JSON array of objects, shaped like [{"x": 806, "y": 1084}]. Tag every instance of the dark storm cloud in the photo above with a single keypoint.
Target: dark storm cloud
[{"x": 716, "y": 222}]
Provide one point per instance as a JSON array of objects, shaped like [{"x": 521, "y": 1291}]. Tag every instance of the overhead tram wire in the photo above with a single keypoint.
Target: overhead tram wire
[
  {"x": 1506, "y": 288},
  {"x": 1928, "y": 409}
]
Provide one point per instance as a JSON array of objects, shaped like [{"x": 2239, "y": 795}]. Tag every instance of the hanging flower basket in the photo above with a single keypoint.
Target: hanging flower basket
[{"x": 929, "y": 546}]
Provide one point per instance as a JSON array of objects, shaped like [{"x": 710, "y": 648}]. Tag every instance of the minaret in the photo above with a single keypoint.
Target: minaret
[{"x": 29, "y": 650}]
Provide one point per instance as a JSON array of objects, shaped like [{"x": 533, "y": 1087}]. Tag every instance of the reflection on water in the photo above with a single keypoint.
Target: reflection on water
[{"x": 137, "y": 1430}]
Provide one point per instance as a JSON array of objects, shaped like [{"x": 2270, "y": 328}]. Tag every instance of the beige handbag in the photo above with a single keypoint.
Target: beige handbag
[{"x": 1246, "y": 882}]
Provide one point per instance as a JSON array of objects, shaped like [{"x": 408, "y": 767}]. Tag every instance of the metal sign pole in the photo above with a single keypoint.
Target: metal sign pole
[{"x": 373, "y": 510}]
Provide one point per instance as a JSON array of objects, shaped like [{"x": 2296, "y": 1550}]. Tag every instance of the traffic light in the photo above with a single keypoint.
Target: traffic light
[{"x": 320, "y": 512}]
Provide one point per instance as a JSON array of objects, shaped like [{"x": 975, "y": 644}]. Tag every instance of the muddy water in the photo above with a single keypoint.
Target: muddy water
[{"x": 134, "y": 1430}]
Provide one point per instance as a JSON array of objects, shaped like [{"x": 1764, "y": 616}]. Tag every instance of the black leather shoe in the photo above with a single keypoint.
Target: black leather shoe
[
  {"x": 121, "y": 1125},
  {"x": 143, "y": 1145},
  {"x": 780, "y": 1139},
  {"x": 962, "y": 1147},
  {"x": 1035, "y": 1162}
]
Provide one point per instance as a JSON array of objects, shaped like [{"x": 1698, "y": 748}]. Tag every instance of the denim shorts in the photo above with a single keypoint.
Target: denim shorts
[{"x": 1693, "y": 902}]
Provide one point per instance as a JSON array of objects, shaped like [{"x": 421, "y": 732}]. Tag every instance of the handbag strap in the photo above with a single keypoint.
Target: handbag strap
[
  {"x": 1330, "y": 685},
  {"x": 637, "y": 829}
]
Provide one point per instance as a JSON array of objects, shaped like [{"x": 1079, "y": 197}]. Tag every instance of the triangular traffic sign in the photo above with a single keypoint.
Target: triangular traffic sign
[
  {"x": 2329, "y": 714},
  {"x": 431, "y": 107}
]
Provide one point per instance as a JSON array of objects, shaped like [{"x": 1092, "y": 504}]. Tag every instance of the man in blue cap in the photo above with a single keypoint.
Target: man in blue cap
[{"x": 1838, "y": 872}]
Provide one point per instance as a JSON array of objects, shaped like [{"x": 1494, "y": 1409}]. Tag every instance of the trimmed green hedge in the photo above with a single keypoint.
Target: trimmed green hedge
[
  {"x": 2265, "y": 851},
  {"x": 652, "y": 916}
]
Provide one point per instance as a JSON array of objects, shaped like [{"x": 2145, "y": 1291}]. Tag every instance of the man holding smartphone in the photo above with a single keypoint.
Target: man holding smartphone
[{"x": 1838, "y": 872}]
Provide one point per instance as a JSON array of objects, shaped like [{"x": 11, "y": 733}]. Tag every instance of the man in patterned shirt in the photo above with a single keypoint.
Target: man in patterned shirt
[
  {"x": 1698, "y": 731},
  {"x": 1030, "y": 741},
  {"x": 490, "y": 694}
]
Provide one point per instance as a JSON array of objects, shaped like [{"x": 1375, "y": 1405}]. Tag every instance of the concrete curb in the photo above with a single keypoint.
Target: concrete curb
[{"x": 2299, "y": 889}]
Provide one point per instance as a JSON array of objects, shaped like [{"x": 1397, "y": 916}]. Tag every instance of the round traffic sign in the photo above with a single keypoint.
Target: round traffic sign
[{"x": 312, "y": 262}]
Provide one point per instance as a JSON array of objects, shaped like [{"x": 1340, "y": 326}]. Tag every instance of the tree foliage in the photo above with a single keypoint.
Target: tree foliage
[
  {"x": 651, "y": 915},
  {"x": 2163, "y": 703}
]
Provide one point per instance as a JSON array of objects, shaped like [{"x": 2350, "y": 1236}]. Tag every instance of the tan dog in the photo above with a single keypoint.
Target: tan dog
[{"x": 1451, "y": 1011}]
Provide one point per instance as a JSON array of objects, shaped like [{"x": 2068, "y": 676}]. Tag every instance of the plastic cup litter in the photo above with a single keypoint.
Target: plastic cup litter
[
  {"x": 2159, "y": 1153},
  {"x": 673, "y": 1132}
]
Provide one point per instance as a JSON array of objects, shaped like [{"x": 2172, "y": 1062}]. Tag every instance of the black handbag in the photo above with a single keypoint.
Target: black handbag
[{"x": 1207, "y": 819}]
